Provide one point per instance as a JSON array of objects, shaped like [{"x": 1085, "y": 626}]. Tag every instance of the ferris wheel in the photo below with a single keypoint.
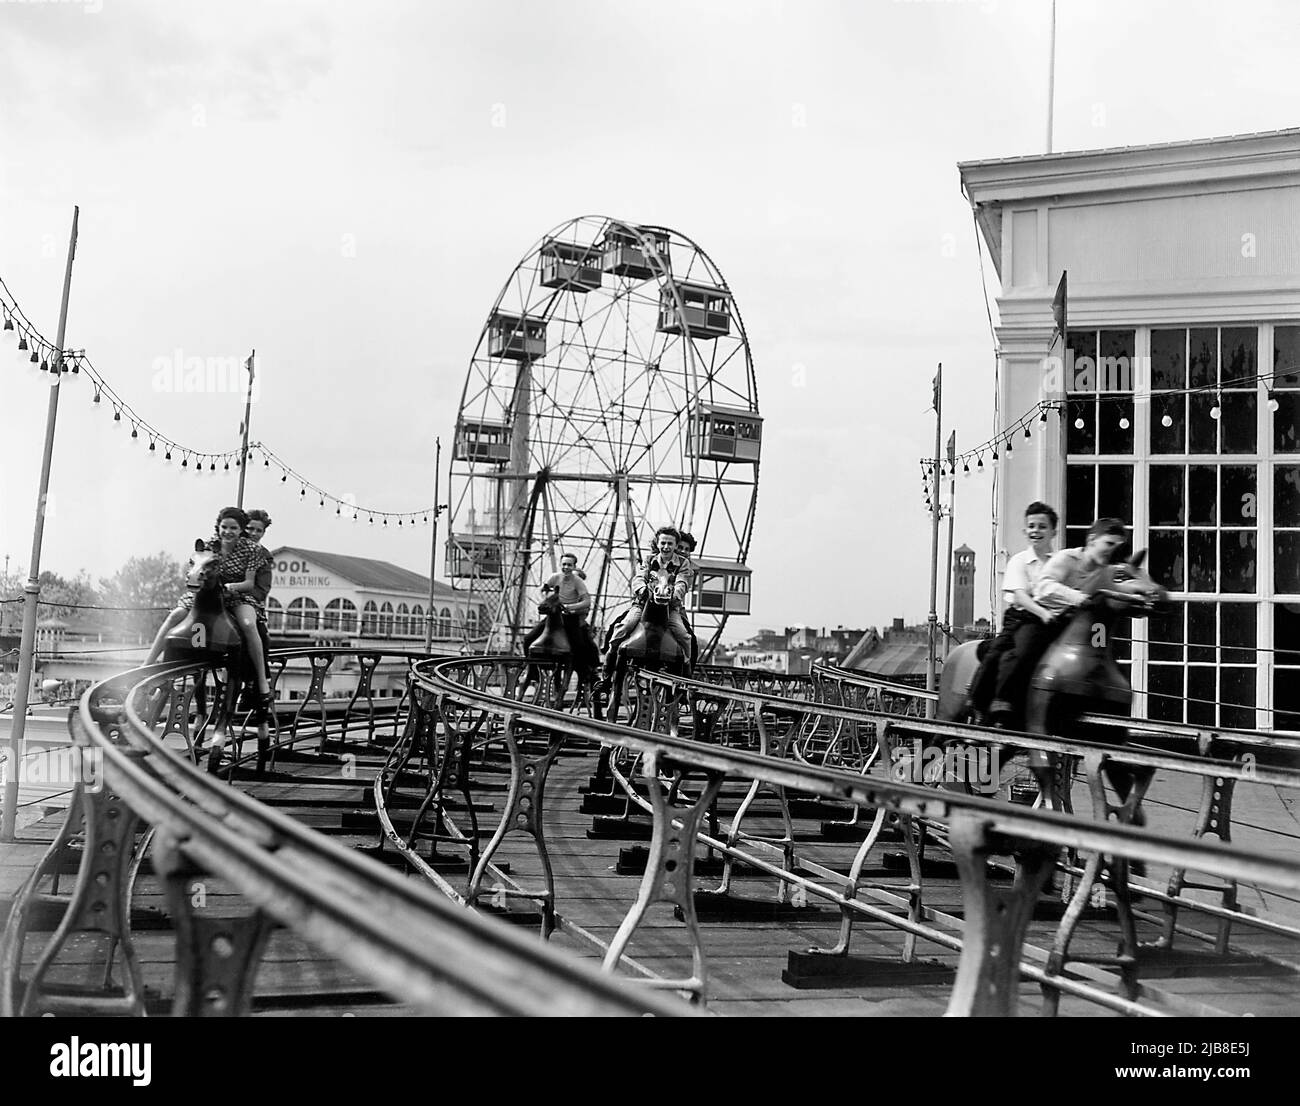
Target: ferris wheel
[{"x": 611, "y": 392}]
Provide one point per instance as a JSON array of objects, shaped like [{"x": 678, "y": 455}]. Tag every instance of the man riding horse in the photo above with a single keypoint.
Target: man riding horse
[{"x": 574, "y": 601}]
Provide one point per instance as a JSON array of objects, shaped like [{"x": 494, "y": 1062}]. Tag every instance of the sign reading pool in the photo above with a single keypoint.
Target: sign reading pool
[{"x": 298, "y": 574}]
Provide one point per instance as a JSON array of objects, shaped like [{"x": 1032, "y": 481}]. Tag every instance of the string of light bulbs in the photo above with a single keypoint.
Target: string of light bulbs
[
  {"x": 44, "y": 354},
  {"x": 343, "y": 506}
]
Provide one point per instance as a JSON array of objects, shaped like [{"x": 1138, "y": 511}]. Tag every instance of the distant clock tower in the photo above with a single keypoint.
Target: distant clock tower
[{"x": 963, "y": 587}]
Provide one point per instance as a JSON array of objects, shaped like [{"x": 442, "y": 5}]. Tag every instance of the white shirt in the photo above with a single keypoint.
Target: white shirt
[{"x": 1022, "y": 571}]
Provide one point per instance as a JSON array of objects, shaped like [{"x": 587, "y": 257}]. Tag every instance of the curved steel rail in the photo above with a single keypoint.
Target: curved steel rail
[
  {"x": 411, "y": 941},
  {"x": 477, "y": 693}
]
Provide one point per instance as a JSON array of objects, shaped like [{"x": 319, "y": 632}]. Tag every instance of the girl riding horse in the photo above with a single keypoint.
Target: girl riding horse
[{"x": 239, "y": 560}]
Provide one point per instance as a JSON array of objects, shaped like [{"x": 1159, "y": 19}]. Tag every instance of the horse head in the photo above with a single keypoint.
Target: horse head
[
  {"x": 1127, "y": 588},
  {"x": 660, "y": 592},
  {"x": 208, "y": 630}
]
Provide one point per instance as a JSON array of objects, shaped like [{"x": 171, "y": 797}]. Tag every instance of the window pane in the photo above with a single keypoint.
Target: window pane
[
  {"x": 1237, "y": 548},
  {"x": 1116, "y": 360},
  {"x": 1121, "y": 636},
  {"x": 1168, "y": 359},
  {"x": 1286, "y": 562},
  {"x": 1084, "y": 344},
  {"x": 1237, "y": 696},
  {"x": 1167, "y": 559},
  {"x": 1080, "y": 494},
  {"x": 1202, "y": 495},
  {"x": 1238, "y": 422},
  {"x": 1239, "y": 348},
  {"x": 1081, "y": 439},
  {"x": 1115, "y": 492},
  {"x": 1202, "y": 428},
  {"x": 1165, "y": 692},
  {"x": 1202, "y": 553},
  {"x": 1202, "y": 696},
  {"x": 1201, "y": 632},
  {"x": 1286, "y": 422},
  {"x": 1203, "y": 357},
  {"x": 1238, "y": 506},
  {"x": 1286, "y": 495},
  {"x": 1286, "y": 632},
  {"x": 1286, "y": 699},
  {"x": 1237, "y": 628},
  {"x": 1165, "y": 633},
  {"x": 1167, "y": 507},
  {"x": 1286, "y": 356},
  {"x": 1171, "y": 438},
  {"x": 1115, "y": 426},
  {"x": 1075, "y": 536}
]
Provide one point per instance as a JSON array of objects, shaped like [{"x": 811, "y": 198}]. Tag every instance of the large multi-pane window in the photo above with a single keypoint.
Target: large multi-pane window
[{"x": 1202, "y": 457}]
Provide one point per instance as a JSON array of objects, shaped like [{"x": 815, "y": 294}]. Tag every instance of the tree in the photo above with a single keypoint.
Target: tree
[
  {"x": 66, "y": 599},
  {"x": 148, "y": 585}
]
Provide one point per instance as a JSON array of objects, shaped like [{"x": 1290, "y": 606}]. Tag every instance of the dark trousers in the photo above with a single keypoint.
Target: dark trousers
[
  {"x": 1001, "y": 648},
  {"x": 1016, "y": 667}
]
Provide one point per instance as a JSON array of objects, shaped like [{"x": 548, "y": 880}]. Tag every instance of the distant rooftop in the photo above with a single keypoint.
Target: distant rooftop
[{"x": 366, "y": 572}]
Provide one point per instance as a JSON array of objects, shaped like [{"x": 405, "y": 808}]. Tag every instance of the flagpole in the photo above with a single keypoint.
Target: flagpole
[
  {"x": 952, "y": 505},
  {"x": 248, "y": 414},
  {"x": 1051, "y": 80},
  {"x": 32, "y": 590},
  {"x": 932, "y": 626}
]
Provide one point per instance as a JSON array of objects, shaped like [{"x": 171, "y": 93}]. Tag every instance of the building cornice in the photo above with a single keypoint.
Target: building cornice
[{"x": 1204, "y": 164}]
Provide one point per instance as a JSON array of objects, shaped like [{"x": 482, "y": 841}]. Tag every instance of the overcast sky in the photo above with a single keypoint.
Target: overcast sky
[{"x": 332, "y": 184}]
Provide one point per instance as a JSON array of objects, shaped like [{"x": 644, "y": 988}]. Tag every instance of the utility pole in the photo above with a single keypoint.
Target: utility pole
[
  {"x": 27, "y": 646},
  {"x": 930, "y": 682},
  {"x": 952, "y": 506},
  {"x": 433, "y": 548},
  {"x": 248, "y": 414}
]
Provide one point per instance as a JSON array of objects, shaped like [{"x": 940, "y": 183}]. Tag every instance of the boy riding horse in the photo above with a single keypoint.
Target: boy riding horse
[
  {"x": 994, "y": 680},
  {"x": 1062, "y": 586}
]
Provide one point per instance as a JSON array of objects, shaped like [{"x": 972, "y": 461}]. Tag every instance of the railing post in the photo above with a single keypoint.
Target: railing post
[
  {"x": 216, "y": 958},
  {"x": 670, "y": 874},
  {"x": 988, "y": 975},
  {"x": 100, "y": 903},
  {"x": 523, "y": 813}
]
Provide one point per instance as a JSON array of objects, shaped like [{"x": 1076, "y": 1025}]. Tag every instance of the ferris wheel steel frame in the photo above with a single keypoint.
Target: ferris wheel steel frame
[{"x": 531, "y": 483}]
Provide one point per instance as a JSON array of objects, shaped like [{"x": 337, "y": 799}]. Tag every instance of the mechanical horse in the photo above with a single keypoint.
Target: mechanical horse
[
  {"x": 209, "y": 635},
  {"x": 651, "y": 644},
  {"x": 1077, "y": 674},
  {"x": 556, "y": 644}
]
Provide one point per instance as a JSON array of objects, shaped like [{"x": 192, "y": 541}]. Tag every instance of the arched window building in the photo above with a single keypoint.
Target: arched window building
[{"x": 318, "y": 595}]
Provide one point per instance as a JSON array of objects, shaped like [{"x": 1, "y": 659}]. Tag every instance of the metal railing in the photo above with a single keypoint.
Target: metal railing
[
  {"x": 152, "y": 800},
  {"x": 465, "y": 706}
]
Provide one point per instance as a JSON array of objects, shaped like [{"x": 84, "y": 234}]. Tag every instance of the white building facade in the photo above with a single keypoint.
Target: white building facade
[
  {"x": 1184, "y": 296},
  {"x": 322, "y": 596}
]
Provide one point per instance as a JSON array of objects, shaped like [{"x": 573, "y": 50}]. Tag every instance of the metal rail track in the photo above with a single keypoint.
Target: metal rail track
[
  {"x": 410, "y": 941},
  {"x": 481, "y": 690}
]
